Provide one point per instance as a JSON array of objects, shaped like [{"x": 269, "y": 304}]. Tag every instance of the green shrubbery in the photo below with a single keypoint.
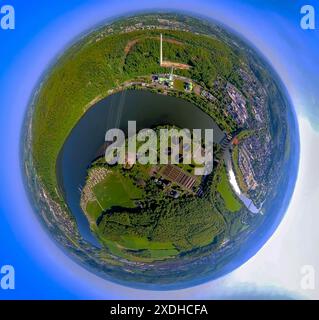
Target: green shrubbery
[{"x": 166, "y": 221}]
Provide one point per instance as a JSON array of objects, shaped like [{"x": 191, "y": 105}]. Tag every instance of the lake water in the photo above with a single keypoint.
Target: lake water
[{"x": 82, "y": 146}]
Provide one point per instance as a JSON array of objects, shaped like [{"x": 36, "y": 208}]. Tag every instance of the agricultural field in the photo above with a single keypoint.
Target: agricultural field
[{"x": 115, "y": 190}]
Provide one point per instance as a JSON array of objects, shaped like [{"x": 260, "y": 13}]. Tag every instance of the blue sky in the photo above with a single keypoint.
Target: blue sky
[{"x": 43, "y": 29}]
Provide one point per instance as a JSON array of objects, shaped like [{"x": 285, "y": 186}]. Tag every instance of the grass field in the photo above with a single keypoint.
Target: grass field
[
  {"x": 224, "y": 188},
  {"x": 140, "y": 249},
  {"x": 245, "y": 134},
  {"x": 179, "y": 85},
  {"x": 136, "y": 243},
  {"x": 115, "y": 190}
]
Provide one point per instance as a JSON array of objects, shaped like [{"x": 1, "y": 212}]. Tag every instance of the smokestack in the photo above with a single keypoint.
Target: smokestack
[{"x": 161, "y": 50}]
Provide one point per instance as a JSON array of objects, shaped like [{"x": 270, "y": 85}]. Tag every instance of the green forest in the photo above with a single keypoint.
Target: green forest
[
  {"x": 88, "y": 70},
  {"x": 170, "y": 224}
]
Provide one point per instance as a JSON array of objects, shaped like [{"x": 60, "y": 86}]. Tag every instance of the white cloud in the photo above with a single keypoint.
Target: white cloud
[{"x": 295, "y": 242}]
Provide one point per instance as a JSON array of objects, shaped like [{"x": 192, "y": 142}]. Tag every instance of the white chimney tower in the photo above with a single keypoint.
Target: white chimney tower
[{"x": 161, "y": 50}]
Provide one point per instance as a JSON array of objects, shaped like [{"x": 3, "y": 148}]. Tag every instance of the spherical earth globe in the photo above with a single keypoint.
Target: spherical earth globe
[{"x": 159, "y": 224}]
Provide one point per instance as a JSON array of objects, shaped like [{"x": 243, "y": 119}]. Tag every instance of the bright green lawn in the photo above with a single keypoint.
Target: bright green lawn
[
  {"x": 115, "y": 190},
  {"x": 137, "y": 243},
  {"x": 153, "y": 250},
  {"x": 224, "y": 188}
]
